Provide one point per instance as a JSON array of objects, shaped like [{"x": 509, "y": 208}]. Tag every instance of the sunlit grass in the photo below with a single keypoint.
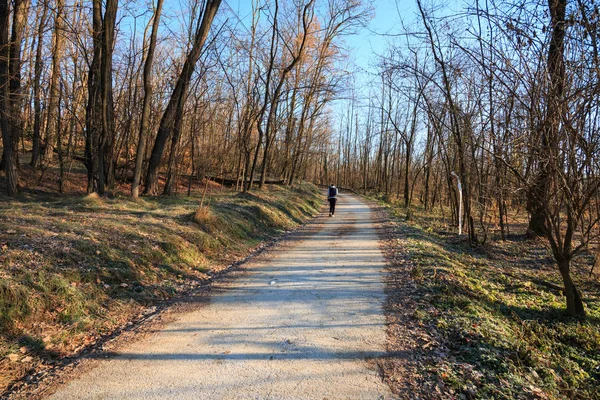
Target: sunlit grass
[
  {"x": 75, "y": 268},
  {"x": 505, "y": 330}
]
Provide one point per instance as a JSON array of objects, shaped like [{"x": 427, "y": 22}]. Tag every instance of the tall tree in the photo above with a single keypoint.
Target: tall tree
[
  {"x": 148, "y": 90},
  {"x": 173, "y": 115},
  {"x": 37, "y": 95},
  {"x": 57, "y": 51},
  {"x": 99, "y": 111},
  {"x": 552, "y": 118},
  {"x": 9, "y": 162},
  {"x": 10, "y": 87},
  {"x": 274, "y": 101},
  {"x": 455, "y": 125}
]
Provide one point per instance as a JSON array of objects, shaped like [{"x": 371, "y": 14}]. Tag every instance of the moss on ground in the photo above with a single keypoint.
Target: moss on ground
[{"x": 500, "y": 320}]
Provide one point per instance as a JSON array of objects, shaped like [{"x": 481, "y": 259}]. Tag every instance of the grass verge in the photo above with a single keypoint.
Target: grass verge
[
  {"x": 487, "y": 322},
  {"x": 75, "y": 269}
]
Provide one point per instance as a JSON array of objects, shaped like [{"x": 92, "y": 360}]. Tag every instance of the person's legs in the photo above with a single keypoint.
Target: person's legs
[{"x": 332, "y": 206}]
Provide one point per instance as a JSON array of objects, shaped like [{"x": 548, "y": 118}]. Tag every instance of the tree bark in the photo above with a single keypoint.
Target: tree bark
[
  {"x": 57, "y": 49},
  {"x": 8, "y": 157},
  {"x": 171, "y": 173},
  {"x": 538, "y": 193},
  {"x": 37, "y": 106},
  {"x": 20, "y": 11},
  {"x": 99, "y": 111},
  {"x": 148, "y": 89},
  {"x": 173, "y": 112},
  {"x": 10, "y": 87},
  {"x": 61, "y": 158},
  {"x": 263, "y": 109},
  {"x": 574, "y": 303}
]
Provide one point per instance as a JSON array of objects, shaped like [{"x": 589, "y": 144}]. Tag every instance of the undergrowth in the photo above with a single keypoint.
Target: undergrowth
[{"x": 498, "y": 316}]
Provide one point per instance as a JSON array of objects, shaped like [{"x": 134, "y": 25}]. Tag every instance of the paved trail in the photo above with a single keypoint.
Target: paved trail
[{"x": 302, "y": 324}]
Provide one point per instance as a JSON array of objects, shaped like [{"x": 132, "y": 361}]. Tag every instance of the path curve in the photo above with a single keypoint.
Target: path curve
[{"x": 304, "y": 323}]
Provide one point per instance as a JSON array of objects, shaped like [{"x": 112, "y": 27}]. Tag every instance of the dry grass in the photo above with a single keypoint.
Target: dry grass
[
  {"x": 496, "y": 324},
  {"x": 75, "y": 268},
  {"x": 202, "y": 215}
]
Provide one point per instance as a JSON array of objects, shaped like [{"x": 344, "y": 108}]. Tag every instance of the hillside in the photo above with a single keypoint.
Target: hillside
[{"x": 74, "y": 269}]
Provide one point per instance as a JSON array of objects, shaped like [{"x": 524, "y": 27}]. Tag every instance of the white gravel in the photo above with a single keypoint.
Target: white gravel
[{"x": 301, "y": 324}]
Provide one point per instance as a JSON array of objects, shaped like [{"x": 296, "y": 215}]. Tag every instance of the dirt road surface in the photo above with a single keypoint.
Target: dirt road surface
[{"x": 305, "y": 322}]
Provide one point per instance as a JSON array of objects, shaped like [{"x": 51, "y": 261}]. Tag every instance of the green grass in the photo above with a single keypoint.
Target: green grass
[
  {"x": 73, "y": 269},
  {"x": 506, "y": 333}
]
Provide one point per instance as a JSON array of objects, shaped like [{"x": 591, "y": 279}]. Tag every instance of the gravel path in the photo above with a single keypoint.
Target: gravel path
[{"x": 303, "y": 323}]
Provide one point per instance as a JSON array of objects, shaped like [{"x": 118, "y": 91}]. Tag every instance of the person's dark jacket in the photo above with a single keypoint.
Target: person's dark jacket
[{"x": 333, "y": 192}]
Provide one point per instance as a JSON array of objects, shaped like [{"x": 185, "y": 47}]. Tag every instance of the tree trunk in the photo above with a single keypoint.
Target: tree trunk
[
  {"x": 574, "y": 303},
  {"x": 169, "y": 119},
  {"x": 171, "y": 173},
  {"x": 535, "y": 202},
  {"x": 61, "y": 161},
  {"x": 20, "y": 11},
  {"x": 108, "y": 124},
  {"x": 268, "y": 133},
  {"x": 99, "y": 111},
  {"x": 57, "y": 48},
  {"x": 290, "y": 126},
  {"x": 37, "y": 106},
  {"x": 267, "y": 94},
  {"x": 9, "y": 162},
  {"x": 536, "y": 199},
  {"x": 139, "y": 158},
  {"x": 10, "y": 87}
]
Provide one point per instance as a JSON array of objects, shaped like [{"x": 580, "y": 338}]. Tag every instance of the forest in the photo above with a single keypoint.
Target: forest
[
  {"x": 149, "y": 98},
  {"x": 502, "y": 96},
  {"x": 483, "y": 115}
]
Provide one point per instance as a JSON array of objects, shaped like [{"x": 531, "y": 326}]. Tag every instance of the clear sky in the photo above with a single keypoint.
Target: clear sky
[
  {"x": 373, "y": 39},
  {"x": 371, "y": 42}
]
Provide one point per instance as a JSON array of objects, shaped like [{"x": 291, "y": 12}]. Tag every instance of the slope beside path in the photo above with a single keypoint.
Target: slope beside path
[{"x": 305, "y": 322}]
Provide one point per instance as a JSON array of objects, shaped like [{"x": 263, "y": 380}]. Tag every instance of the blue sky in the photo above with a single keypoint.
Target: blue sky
[
  {"x": 368, "y": 41},
  {"x": 374, "y": 38},
  {"x": 364, "y": 47}
]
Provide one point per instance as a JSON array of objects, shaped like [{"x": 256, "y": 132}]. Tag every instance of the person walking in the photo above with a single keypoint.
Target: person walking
[{"x": 332, "y": 197}]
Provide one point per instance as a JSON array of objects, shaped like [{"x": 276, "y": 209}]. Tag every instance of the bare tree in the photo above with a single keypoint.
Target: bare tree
[
  {"x": 99, "y": 112},
  {"x": 148, "y": 88},
  {"x": 52, "y": 130},
  {"x": 454, "y": 122},
  {"x": 273, "y": 98},
  {"x": 173, "y": 115},
  {"x": 552, "y": 119},
  {"x": 35, "y": 152},
  {"x": 10, "y": 86}
]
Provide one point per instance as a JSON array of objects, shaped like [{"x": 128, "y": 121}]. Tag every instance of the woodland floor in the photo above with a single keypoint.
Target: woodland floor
[
  {"x": 463, "y": 322},
  {"x": 75, "y": 270},
  {"x": 484, "y": 322}
]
